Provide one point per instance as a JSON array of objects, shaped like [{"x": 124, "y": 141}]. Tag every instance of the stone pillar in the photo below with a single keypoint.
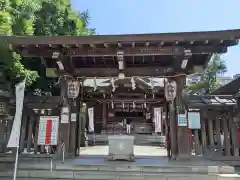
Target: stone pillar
[{"x": 182, "y": 132}]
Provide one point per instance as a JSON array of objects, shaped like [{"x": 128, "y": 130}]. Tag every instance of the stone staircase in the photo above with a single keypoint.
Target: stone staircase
[{"x": 100, "y": 169}]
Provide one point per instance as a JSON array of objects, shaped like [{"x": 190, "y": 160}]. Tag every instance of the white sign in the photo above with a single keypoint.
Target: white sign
[
  {"x": 157, "y": 119},
  {"x": 91, "y": 119},
  {"x": 65, "y": 115},
  {"x": 73, "y": 117},
  {"x": 194, "y": 120},
  {"x": 182, "y": 120},
  {"x": 48, "y": 130},
  {"x": 15, "y": 133}
]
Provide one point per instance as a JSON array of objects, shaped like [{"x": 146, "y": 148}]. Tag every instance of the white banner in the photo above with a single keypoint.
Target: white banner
[
  {"x": 15, "y": 133},
  {"x": 158, "y": 119},
  {"x": 91, "y": 119}
]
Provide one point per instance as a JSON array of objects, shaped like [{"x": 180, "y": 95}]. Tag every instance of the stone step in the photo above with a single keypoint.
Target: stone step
[
  {"x": 131, "y": 168},
  {"x": 95, "y": 175}
]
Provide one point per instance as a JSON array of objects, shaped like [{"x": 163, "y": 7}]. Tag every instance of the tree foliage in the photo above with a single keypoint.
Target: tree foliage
[
  {"x": 208, "y": 81},
  {"x": 35, "y": 17}
]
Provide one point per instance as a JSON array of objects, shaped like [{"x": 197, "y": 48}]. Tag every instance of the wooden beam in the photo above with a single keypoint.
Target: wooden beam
[
  {"x": 127, "y": 100},
  {"x": 129, "y": 72},
  {"x": 132, "y": 51}
]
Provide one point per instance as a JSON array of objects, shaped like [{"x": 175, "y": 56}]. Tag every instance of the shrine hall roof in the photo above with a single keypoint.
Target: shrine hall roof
[
  {"x": 211, "y": 101},
  {"x": 230, "y": 88},
  {"x": 100, "y": 39}
]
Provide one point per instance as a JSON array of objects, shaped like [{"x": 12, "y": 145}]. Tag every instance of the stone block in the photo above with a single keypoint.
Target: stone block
[
  {"x": 213, "y": 169},
  {"x": 228, "y": 177},
  {"x": 227, "y": 170}
]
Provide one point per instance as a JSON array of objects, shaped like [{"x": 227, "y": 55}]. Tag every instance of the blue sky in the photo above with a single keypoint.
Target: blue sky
[{"x": 158, "y": 16}]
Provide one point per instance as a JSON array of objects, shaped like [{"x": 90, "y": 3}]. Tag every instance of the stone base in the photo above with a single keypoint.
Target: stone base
[{"x": 130, "y": 158}]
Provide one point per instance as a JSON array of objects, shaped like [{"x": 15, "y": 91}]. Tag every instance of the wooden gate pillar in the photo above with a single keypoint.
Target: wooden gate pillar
[
  {"x": 64, "y": 126},
  {"x": 210, "y": 132},
  {"x": 104, "y": 116},
  {"x": 182, "y": 132},
  {"x": 226, "y": 135},
  {"x": 233, "y": 132},
  {"x": 203, "y": 131},
  {"x": 218, "y": 133}
]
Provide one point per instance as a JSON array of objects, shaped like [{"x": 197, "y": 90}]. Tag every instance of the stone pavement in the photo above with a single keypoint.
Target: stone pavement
[{"x": 138, "y": 151}]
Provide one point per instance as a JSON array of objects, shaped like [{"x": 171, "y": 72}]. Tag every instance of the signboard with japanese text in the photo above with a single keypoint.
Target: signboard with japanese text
[{"x": 48, "y": 130}]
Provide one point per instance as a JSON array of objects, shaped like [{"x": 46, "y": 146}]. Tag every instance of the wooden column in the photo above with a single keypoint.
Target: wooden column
[
  {"x": 30, "y": 133},
  {"x": 64, "y": 126},
  {"x": 173, "y": 131},
  {"x": 226, "y": 135},
  {"x": 73, "y": 131},
  {"x": 233, "y": 132},
  {"x": 23, "y": 133},
  {"x": 36, "y": 146},
  {"x": 2, "y": 126},
  {"x": 203, "y": 131},
  {"x": 218, "y": 133},
  {"x": 9, "y": 129},
  {"x": 104, "y": 116},
  {"x": 182, "y": 132},
  {"x": 210, "y": 132}
]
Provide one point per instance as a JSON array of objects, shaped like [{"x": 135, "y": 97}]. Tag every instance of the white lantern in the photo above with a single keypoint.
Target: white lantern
[
  {"x": 73, "y": 89},
  {"x": 170, "y": 90}
]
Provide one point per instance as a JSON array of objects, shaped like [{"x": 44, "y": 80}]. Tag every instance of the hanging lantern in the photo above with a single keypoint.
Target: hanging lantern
[
  {"x": 113, "y": 85},
  {"x": 73, "y": 88},
  {"x": 170, "y": 90},
  {"x": 133, "y": 83},
  {"x": 95, "y": 83}
]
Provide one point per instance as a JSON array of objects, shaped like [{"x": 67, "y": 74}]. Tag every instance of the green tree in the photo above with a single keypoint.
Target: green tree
[
  {"x": 35, "y": 17},
  {"x": 209, "y": 82}
]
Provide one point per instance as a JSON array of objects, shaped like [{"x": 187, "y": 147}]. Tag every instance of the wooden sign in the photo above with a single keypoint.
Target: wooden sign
[{"x": 48, "y": 130}]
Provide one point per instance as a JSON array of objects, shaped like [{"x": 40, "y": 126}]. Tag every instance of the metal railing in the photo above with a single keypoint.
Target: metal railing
[{"x": 61, "y": 150}]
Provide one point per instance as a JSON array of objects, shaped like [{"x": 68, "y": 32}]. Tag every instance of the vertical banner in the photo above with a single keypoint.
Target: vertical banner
[
  {"x": 158, "y": 119},
  {"x": 194, "y": 120},
  {"x": 15, "y": 133},
  {"x": 91, "y": 119}
]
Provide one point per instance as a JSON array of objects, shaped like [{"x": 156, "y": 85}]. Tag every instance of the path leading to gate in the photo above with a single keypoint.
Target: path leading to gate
[{"x": 138, "y": 151}]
